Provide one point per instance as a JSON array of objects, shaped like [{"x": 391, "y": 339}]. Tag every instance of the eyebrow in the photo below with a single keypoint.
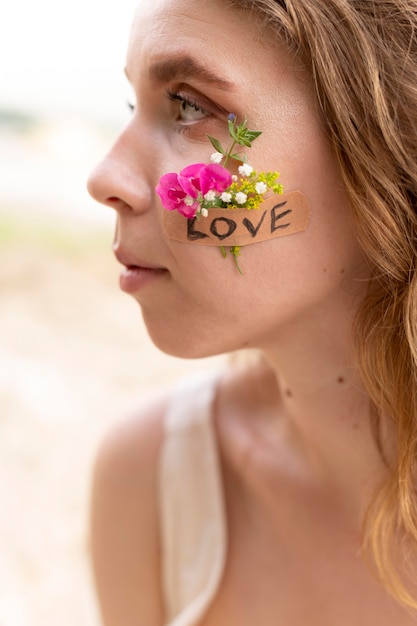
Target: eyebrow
[{"x": 183, "y": 68}]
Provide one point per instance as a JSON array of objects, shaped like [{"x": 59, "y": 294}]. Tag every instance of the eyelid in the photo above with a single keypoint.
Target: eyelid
[
  {"x": 182, "y": 98},
  {"x": 197, "y": 98}
]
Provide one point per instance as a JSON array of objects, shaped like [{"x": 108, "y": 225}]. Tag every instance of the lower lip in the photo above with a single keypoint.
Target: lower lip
[{"x": 132, "y": 279}]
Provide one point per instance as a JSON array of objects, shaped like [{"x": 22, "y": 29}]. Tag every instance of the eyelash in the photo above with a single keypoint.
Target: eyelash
[
  {"x": 191, "y": 126},
  {"x": 185, "y": 100},
  {"x": 175, "y": 97}
]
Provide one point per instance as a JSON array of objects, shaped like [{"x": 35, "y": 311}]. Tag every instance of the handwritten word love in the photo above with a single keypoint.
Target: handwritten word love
[{"x": 277, "y": 216}]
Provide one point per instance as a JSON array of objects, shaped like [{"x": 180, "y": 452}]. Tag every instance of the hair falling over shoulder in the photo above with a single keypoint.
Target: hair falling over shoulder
[{"x": 362, "y": 56}]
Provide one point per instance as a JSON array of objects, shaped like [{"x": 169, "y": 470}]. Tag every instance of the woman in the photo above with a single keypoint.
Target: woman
[{"x": 281, "y": 491}]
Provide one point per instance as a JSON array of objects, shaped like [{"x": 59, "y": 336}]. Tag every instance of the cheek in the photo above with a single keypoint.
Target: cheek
[
  {"x": 301, "y": 152},
  {"x": 208, "y": 307}
]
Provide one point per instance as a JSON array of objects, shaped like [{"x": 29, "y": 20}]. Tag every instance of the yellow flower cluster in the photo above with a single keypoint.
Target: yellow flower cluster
[{"x": 247, "y": 185}]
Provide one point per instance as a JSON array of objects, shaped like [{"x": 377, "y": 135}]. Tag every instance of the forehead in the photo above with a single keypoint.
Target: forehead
[
  {"x": 168, "y": 19},
  {"x": 222, "y": 37}
]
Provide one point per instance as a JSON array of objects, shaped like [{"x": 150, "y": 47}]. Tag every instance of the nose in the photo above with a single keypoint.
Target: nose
[{"x": 120, "y": 180}]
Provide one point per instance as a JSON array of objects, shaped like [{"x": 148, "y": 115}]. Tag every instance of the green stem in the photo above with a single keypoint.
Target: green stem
[
  {"x": 237, "y": 263},
  {"x": 229, "y": 152}
]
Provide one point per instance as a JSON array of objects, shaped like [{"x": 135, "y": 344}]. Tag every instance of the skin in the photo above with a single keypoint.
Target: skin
[
  {"x": 191, "y": 316},
  {"x": 298, "y": 458}
]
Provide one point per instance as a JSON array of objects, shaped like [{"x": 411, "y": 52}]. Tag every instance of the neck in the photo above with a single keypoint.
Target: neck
[{"x": 326, "y": 407}]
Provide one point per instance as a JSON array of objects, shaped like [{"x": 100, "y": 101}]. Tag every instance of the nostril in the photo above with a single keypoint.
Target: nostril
[{"x": 116, "y": 203}]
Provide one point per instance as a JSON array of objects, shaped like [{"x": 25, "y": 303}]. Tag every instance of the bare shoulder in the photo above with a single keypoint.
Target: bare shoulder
[{"x": 124, "y": 518}]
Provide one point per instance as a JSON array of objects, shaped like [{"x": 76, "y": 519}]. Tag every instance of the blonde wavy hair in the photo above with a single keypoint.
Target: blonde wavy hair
[{"x": 362, "y": 56}]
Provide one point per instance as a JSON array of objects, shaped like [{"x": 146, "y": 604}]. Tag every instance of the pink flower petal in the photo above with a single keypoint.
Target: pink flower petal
[
  {"x": 214, "y": 177},
  {"x": 170, "y": 191},
  {"x": 188, "y": 211},
  {"x": 192, "y": 171},
  {"x": 189, "y": 179}
]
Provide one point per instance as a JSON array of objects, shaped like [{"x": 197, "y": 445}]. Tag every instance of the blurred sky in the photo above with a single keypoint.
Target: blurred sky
[
  {"x": 61, "y": 62},
  {"x": 64, "y": 56}
]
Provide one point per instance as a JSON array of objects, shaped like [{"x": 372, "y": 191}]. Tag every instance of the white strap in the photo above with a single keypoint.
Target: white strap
[{"x": 193, "y": 524}]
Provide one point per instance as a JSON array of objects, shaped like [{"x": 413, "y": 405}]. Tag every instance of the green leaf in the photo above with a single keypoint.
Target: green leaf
[
  {"x": 216, "y": 144},
  {"x": 238, "y": 157},
  {"x": 253, "y": 134},
  {"x": 232, "y": 131}
]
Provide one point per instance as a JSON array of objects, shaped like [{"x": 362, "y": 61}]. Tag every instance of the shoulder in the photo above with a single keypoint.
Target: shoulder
[
  {"x": 125, "y": 524},
  {"x": 124, "y": 517},
  {"x": 134, "y": 442}
]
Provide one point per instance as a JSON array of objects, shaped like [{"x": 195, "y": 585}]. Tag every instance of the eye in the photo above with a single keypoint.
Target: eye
[{"x": 189, "y": 110}]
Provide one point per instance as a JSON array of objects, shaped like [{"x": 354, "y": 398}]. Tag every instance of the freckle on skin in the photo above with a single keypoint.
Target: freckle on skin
[
  {"x": 325, "y": 270},
  {"x": 340, "y": 380},
  {"x": 288, "y": 393},
  {"x": 342, "y": 271}
]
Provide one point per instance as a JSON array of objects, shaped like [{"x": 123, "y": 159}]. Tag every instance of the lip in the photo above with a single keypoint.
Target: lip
[{"x": 136, "y": 273}]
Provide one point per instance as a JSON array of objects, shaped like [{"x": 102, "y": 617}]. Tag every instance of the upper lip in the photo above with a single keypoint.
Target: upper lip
[{"x": 130, "y": 259}]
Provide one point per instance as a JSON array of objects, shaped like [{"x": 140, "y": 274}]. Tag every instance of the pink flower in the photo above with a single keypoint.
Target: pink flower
[
  {"x": 174, "y": 197},
  {"x": 214, "y": 177},
  {"x": 181, "y": 191}
]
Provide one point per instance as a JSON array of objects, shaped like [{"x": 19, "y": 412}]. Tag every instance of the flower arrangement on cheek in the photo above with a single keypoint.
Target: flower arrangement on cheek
[{"x": 200, "y": 187}]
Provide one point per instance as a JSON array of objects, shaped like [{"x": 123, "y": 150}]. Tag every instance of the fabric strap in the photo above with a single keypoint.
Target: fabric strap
[{"x": 192, "y": 514}]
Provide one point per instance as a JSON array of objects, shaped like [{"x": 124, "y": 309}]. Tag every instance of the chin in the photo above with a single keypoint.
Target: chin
[
  {"x": 183, "y": 349},
  {"x": 185, "y": 343}
]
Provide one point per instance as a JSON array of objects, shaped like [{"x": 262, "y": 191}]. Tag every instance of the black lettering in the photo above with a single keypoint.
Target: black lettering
[
  {"x": 275, "y": 218},
  {"x": 231, "y": 227},
  {"x": 253, "y": 231},
  {"x": 192, "y": 234}
]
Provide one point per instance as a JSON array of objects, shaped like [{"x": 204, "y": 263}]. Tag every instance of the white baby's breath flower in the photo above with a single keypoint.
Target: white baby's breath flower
[
  {"x": 241, "y": 197},
  {"x": 234, "y": 178},
  {"x": 226, "y": 196},
  {"x": 204, "y": 212},
  {"x": 260, "y": 187},
  {"x": 210, "y": 196},
  {"x": 245, "y": 169},
  {"x": 189, "y": 201},
  {"x": 216, "y": 157}
]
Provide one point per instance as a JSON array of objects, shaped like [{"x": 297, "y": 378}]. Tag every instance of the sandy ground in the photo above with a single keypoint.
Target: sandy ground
[{"x": 74, "y": 357}]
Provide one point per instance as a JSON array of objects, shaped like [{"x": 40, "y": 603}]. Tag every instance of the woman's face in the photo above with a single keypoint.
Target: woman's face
[{"x": 191, "y": 62}]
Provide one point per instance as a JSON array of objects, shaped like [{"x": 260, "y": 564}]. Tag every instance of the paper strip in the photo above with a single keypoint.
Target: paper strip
[{"x": 277, "y": 216}]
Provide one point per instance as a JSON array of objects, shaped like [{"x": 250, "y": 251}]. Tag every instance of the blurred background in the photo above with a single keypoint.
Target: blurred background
[{"x": 74, "y": 355}]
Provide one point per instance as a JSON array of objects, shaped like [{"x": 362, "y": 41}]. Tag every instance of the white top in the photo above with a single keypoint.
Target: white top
[{"x": 192, "y": 513}]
